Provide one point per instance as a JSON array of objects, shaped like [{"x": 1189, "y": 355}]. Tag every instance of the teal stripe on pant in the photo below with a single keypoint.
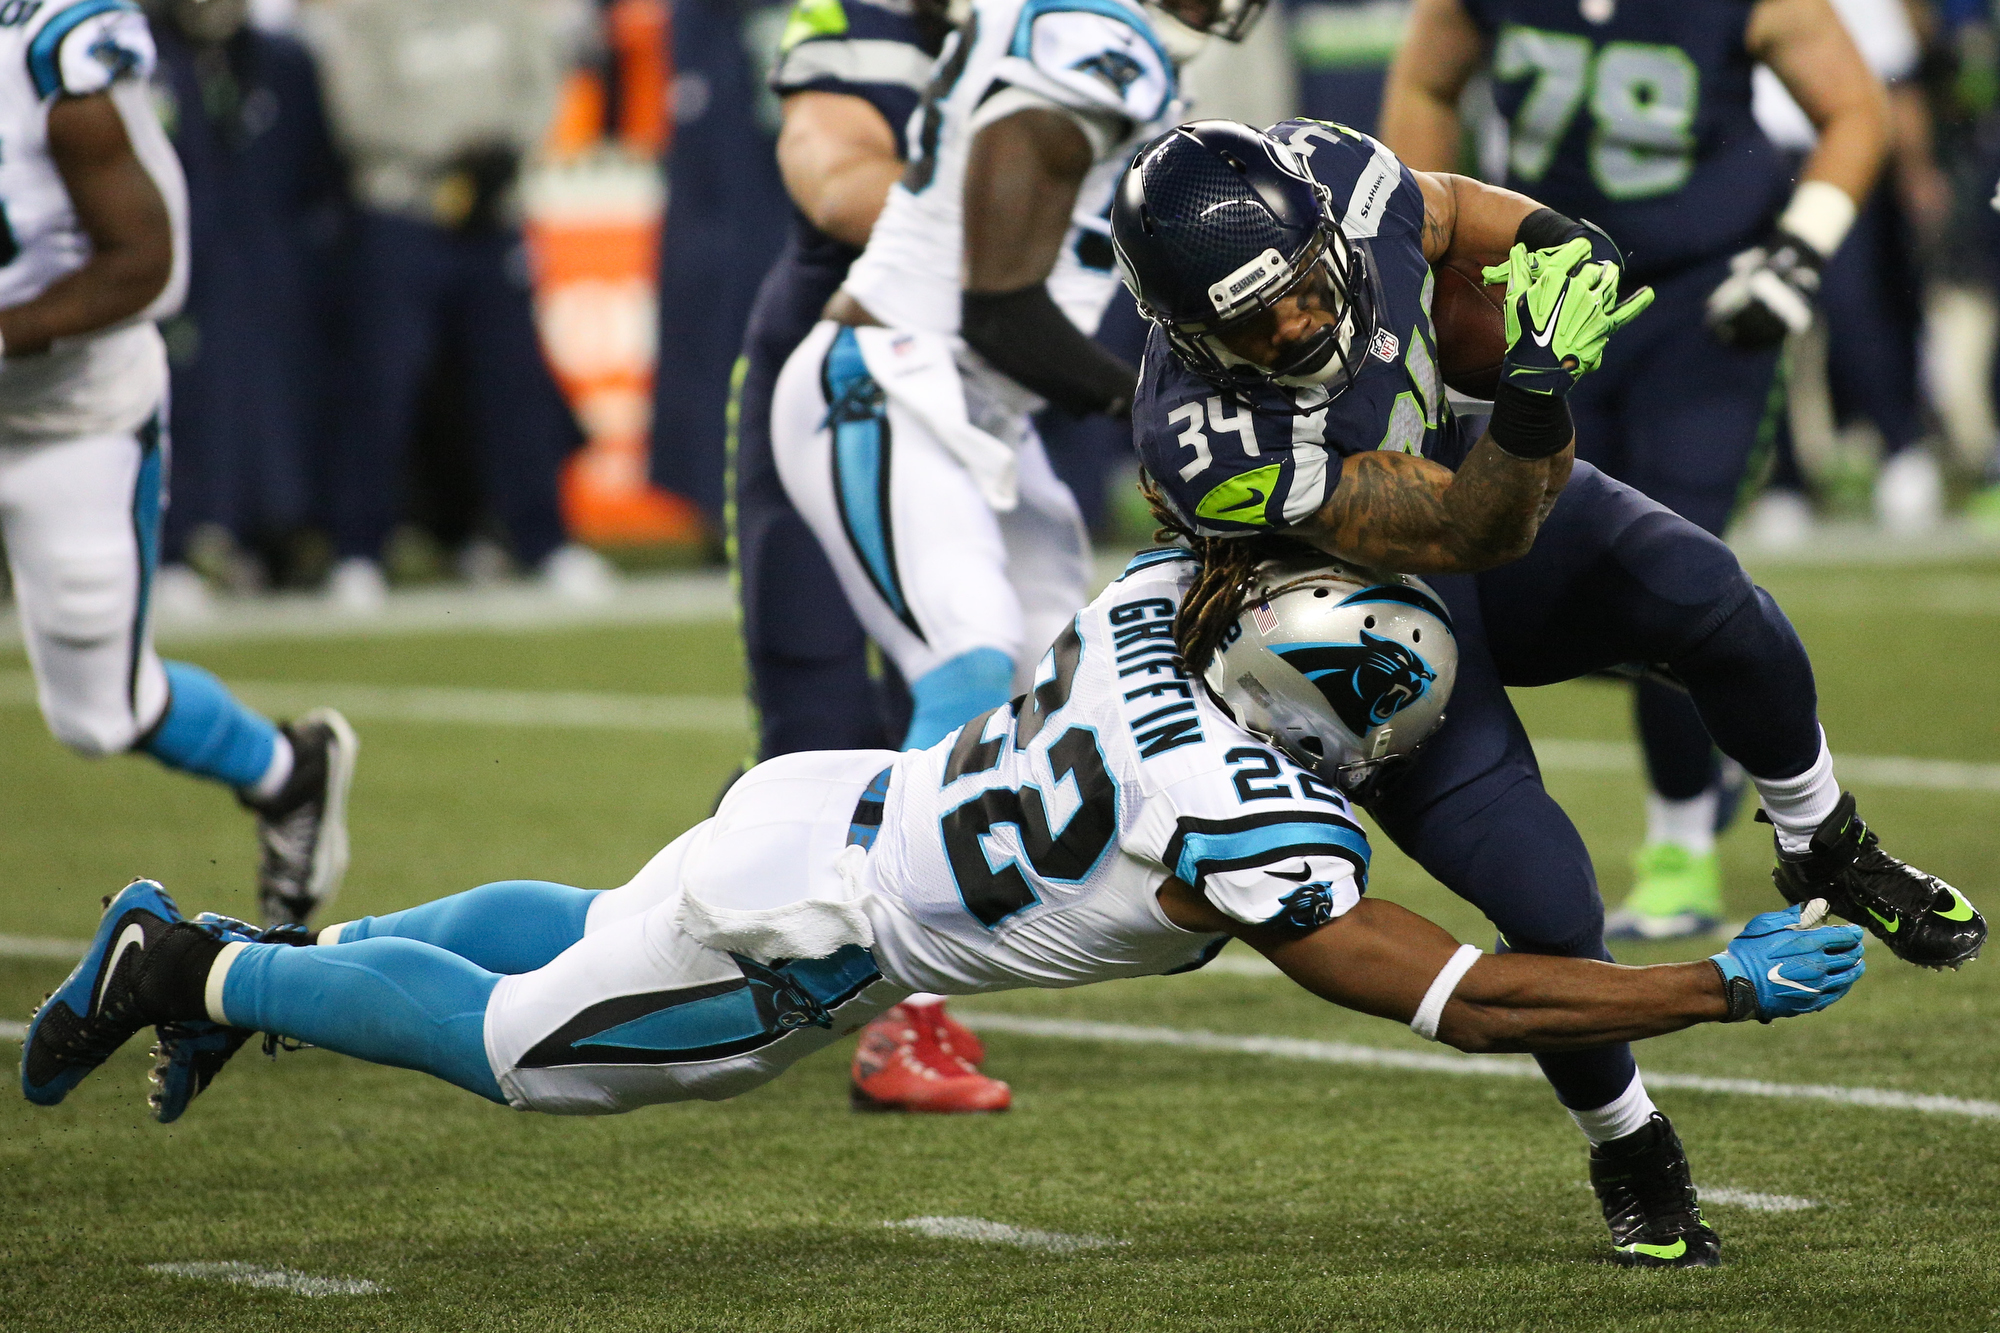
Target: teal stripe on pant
[{"x": 390, "y": 1002}]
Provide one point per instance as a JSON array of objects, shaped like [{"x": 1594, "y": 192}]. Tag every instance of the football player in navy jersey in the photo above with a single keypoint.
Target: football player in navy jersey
[
  {"x": 1290, "y": 394},
  {"x": 850, "y": 73},
  {"x": 1638, "y": 117}
]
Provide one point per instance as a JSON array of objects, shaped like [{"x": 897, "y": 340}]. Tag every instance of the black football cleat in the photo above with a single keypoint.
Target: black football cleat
[
  {"x": 190, "y": 1052},
  {"x": 1648, "y": 1197},
  {"x": 303, "y": 829},
  {"x": 105, "y": 1000},
  {"x": 1921, "y": 918}
]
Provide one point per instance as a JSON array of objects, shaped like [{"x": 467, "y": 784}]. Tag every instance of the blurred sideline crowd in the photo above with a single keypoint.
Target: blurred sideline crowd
[{"x": 360, "y": 395}]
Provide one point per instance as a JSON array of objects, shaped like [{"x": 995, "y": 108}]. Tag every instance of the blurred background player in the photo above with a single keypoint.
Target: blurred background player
[
  {"x": 727, "y": 220},
  {"x": 849, "y": 75},
  {"x": 1638, "y": 117},
  {"x": 94, "y": 238},
  {"x": 1864, "y": 361},
  {"x": 434, "y": 103},
  {"x": 247, "y": 353}
]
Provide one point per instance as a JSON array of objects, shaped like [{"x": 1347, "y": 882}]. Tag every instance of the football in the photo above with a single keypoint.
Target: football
[{"x": 1471, "y": 330}]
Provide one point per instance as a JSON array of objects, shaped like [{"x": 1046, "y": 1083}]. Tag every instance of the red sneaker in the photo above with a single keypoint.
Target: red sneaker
[
  {"x": 899, "y": 1066},
  {"x": 953, "y": 1037}
]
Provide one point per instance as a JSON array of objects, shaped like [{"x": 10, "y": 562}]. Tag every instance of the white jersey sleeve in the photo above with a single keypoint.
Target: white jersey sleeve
[
  {"x": 78, "y": 49},
  {"x": 1091, "y": 58}
]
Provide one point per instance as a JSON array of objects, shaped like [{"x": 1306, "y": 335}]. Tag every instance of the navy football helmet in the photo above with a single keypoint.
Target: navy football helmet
[{"x": 1214, "y": 223}]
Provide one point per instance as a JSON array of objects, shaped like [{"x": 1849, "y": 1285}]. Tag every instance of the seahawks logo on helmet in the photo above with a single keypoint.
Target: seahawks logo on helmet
[{"x": 1367, "y": 683}]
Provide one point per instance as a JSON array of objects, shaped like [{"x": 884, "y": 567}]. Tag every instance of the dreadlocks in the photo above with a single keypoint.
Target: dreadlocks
[{"x": 1228, "y": 568}]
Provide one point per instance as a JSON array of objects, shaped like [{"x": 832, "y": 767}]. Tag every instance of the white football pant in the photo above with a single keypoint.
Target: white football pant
[{"x": 928, "y": 566}]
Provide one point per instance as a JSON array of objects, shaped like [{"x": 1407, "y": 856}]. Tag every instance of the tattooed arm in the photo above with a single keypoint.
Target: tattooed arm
[
  {"x": 1468, "y": 224},
  {"x": 1397, "y": 511},
  {"x": 1405, "y": 513}
]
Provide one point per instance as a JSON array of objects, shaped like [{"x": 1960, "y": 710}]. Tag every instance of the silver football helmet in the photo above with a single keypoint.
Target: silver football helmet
[{"x": 1344, "y": 668}]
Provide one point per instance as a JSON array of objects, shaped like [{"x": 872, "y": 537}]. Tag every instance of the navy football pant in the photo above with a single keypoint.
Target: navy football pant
[
  {"x": 1613, "y": 578},
  {"x": 806, "y": 652},
  {"x": 418, "y": 288},
  {"x": 1682, "y": 418}
]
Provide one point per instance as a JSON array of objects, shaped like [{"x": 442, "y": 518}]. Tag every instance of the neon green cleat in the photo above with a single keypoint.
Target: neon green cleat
[{"x": 1675, "y": 894}]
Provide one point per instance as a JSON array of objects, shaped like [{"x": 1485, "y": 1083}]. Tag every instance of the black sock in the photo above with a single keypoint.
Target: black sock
[{"x": 174, "y": 983}]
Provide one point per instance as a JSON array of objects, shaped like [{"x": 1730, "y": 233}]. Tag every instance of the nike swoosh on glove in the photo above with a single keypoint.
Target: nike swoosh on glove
[
  {"x": 1780, "y": 967},
  {"x": 1769, "y": 293},
  {"x": 1561, "y": 309}
]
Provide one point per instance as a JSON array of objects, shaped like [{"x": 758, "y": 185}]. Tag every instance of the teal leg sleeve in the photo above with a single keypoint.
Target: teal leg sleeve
[
  {"x": 207, "y": 732},
  {"x": 390, "y": 1002},
  {"x": 949, "y": 696},
  {"x": 514, "y": 926}
]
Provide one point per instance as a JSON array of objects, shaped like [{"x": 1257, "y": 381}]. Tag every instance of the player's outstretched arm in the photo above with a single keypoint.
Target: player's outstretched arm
[
  {"x": 120, "y": 209},
  {"x": 1385, "y": 960}
]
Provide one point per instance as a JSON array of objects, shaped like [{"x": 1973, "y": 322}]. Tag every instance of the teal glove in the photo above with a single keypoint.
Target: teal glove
[
  {"x": 1561, "y": 310},
  {"x": 1785, "y": 963}
]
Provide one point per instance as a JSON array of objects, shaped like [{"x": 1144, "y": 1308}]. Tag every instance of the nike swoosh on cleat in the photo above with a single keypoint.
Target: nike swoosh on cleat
[
  {"x": 1256, "y": 498},
  {"x": 1778, "y": 977},
  {"x": 1961, "y": 907},
  {"x": 1673, "y": 1251},
  {"x": 133, "y": 936},
  {"x": 1894, "y": 924},
  {"x": 1305, "y": 874}
]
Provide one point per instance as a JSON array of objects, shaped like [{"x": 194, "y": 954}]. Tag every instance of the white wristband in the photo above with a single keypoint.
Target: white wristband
[
  {"x": 1425, "y": 1024},
  {"x": 1820, "y": 214}
]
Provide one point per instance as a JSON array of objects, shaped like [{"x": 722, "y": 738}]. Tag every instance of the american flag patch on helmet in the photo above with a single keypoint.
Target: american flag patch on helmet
[{"x": 1264, "y": 618}]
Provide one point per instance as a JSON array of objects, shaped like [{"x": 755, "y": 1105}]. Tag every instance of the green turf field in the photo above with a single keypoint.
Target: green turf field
[{"x": 1243, "y": 1191}]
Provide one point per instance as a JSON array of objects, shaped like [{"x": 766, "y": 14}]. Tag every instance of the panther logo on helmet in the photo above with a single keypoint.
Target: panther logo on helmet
[{"x": 1366, "y": 683}]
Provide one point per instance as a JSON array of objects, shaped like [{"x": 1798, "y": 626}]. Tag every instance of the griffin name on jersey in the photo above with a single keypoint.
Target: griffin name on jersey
[
  {"x": 1229, "y": 464},
  {"x": 1100, "y": 59},
  {"x": 109, "y": 381},
  {"x": 1028, "y": 851}
]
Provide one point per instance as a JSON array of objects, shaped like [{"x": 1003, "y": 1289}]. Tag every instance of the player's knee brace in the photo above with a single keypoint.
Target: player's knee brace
[{"x": 947, "y": 697}]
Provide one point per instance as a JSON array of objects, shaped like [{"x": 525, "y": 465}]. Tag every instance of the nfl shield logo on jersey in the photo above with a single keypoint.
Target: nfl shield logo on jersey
[{"x": 1385, "y": 345}]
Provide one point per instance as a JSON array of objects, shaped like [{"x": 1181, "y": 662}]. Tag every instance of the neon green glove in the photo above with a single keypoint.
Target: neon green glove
[{"x": 1561, "y": 310}]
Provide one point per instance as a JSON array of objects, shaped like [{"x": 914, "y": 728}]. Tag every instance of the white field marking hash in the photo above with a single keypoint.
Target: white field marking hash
[
  {"x": 12, "y": 1031},
  {"x": 68, "y": 951},
  {"x": 574, "y": 709},
  {"x": 1751, "y": 1199},
  {"x": 999, "y": 1233},
  {"x": 1492, "y": 1066},
  {"x": 276, "y": 1279},
  {"x": 729, "y": 715}
]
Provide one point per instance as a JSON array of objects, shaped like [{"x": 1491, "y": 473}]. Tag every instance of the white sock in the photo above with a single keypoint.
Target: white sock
[
  {"x": 1686, "y": 824},
  {"x": 1624, "y": 1114},
  {"x": 331, "y": 934},
  {"x": 1799, "y": 805},
  {"x": 278, "y": 774},
  {"x": 922, "y": 999},
  {"x": 218, "y": 972}
]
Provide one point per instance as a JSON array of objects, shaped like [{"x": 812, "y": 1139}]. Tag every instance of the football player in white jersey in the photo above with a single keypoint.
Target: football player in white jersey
[
  {"x": 901, "y": 426},
  {"x": 93, "y": 248},
  {"x": 1116, "y": 820}
]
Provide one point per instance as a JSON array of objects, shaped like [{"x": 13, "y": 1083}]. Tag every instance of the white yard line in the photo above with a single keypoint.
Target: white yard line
[
  {"x": 1491, "y": 1066},
  {"x": 655, "y": 599},
  {"x": 11, "y": 1031},
  {"x": 275, "y": 1279},
  {"x": 979, "y": 1230},
  {"x": 1751, "y": 1199},
  {"x": 68, "y": 951},
  {"x": 722, "y": 714}
]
